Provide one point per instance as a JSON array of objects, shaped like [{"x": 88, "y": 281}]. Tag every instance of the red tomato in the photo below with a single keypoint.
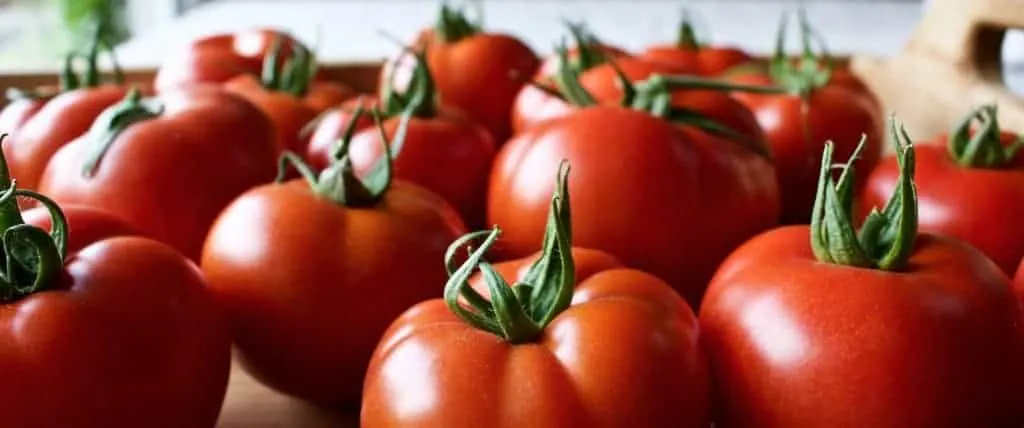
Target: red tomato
[
  {"x": 169, "y": 173},
  {"x": 679, "y": 200},
  {"x": 976, "y": 203},
  {"x": 220, "y": 57},
  {"x": 477, "y": 72},
  {"x": 85, "y": 225},
  {"x": 123, "y": 327},
  {"x": 609, "y": 346},
  {"x": 331, "y": 126},
  {"x": 688, "y": 53},
  {"x": 883, "y": 328},
  {"x": 21, "y": 107},
  {"x": 312, "y": 273}
]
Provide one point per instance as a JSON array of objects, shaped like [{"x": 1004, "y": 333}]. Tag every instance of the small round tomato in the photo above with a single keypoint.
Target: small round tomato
[
  {"x": 667, "y": 199},
  {"x": 579, "y": 340},
  {"x": 880, "y": 327},
  {"x": 477, "y": 72},
  {"x": 970, "y": 186},
  {"x": 688, "y": 53},
  {"x": 122, "y": 325},
  {"x": 311, "y": 273},
  {"x": 220, "y": 57},
  {"x": 167, "y": 165}
]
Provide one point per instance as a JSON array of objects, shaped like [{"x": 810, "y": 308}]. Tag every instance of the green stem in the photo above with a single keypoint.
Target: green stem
[
  {"x": 588, "y": 48},
  {"x": 338, "y": 182},
  {"x": 687, "y": 36},
  {"x": 421, "y": 96},
  {"x": 812, "y": 71},
  {"x": 292, "y": 76},
  {"x": 984, "y": 147},
  {"x": 453, "y": 25},
  {"x": 90, "y": 77},
  {"x": 112, "y": 122},
  {"x": 518, "y": 313},
  {"x": 886, "y": 239},
  {"x": 32, "y": 259}
]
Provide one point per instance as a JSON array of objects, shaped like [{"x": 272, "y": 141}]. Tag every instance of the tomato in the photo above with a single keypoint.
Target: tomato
[
  {"x": 881, "y": 328},
  {"x": 441, "y": 150},
  {"x": 475, "y": 71},
  {"x": 85, "y": 225},
  {"x": 220, "y": 57},
  {"x": 970, "y": 186},
  {"x": 798, "y": 123},
  {"x": 41, "y": 122},
  {"x": 123, "y": 327},
  {"x": 311, "y": 273},
  {"x": 688, "y": 53},
  {"x": 330, "y": 127},
  {"x": 167, "y": 165},
  {"x": 598, "y": 345},
  {"x": 679, "y": 199}
]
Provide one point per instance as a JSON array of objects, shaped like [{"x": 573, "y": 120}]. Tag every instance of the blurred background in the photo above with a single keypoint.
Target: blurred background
[{"x": 35, "y": 33}]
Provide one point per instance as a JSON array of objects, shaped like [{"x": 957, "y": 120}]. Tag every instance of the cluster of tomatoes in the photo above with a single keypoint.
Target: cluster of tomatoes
[{"x": 719, "y": 260}]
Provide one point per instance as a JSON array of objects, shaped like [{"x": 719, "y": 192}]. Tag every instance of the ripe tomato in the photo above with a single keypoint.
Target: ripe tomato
[
  {"x": 311, "y": 273},
  {"x": 881, "y": 328},
  {"x": 218, "y": 58},
  {"x": 442, "y": 151},
  {"x": 688, "y": 53},
  {"x": 679, "y": 199},
  {"x": 22, "y": 105},
  {"x": 971, "y": 186},
  {"x": 120, "y": 334},
  {"x": 288, "y": 95},
  {"x": 477, "y": 72},
  {"x": 330, "y": 126},
  {"x": 85, "y": 225},
  {"x": 601, "y": 345},
  {"x": 167, "y": 166}
]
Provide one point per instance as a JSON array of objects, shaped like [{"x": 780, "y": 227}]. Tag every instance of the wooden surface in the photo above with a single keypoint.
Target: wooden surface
[
  {"x": 950, "y": 65},
  {"x": 251, "y": 405}
]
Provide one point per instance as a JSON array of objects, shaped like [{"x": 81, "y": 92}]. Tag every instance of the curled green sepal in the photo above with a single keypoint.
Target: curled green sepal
[
  {"x": 811, "y": 71},
  {"x": 90, "y": 77},
  {"x": 338, "y": 182},
  {"x": 567, "y": 80},
  {"x": 589, "y": 53},
  {"x": 292, "y": 76},
  {"x": 886, "y": 239},
  {"x": 686, "y": 37},
  {"x": 33, "y": 259},
  {"x": 983, "y": 148},
  {"x": 520, "y": 312},
  {"x": 421, "y": 96},
  {"x": 112, "y": 122},
  {"x": 453, "y": 25}
]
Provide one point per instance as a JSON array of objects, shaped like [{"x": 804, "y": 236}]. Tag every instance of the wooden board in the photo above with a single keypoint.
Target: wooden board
[{"x": 249, "y": 404}]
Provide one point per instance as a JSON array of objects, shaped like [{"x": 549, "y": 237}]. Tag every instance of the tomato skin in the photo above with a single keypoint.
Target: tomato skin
[
  {"x": 310, "y": 285},
  {"x": 61, "y": 120},
  {"x": 833, "y": 113},
  {"x": 786, "y": 333},
  {"x": 445, "y": 154},
  {"x": 625, "y": 354},
  {"x": 170, "y": 176},
  {"x": 19, "y": 111},
  {"x": 707, "y": 61},
  {"x": 130, "y": 338},
  {"x": 289, "y": 114},
  {"x": 85, "y": 225},
  {"x": 331, "y": 127},
  {"x": 976, "y": 205},
  {"x": 680, "y": 200},
  {"x": 475, "y": 75},
  {"x": 220, "y": 57}
]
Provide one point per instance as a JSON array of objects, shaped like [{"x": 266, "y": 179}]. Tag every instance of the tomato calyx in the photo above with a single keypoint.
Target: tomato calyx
[
  {"x": 517, "y": 313},
  {"x": 810, "y": 71},
  {"x": 983, "y": 148},
  {"x": 115, "y": 120},
  {"x": 686, "y": 37},
  {"x": 292, "y": 76},
  {"x": 588, "y": 48},
  {"x": 453, "y": 25},
  {"x": 32, "y": 258},
  {"x": 338, "y": 182},
  {"x": 886, "y": 238},
  {"x": 90, "y": 77},
  {"x": 421, "y": 96}
]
